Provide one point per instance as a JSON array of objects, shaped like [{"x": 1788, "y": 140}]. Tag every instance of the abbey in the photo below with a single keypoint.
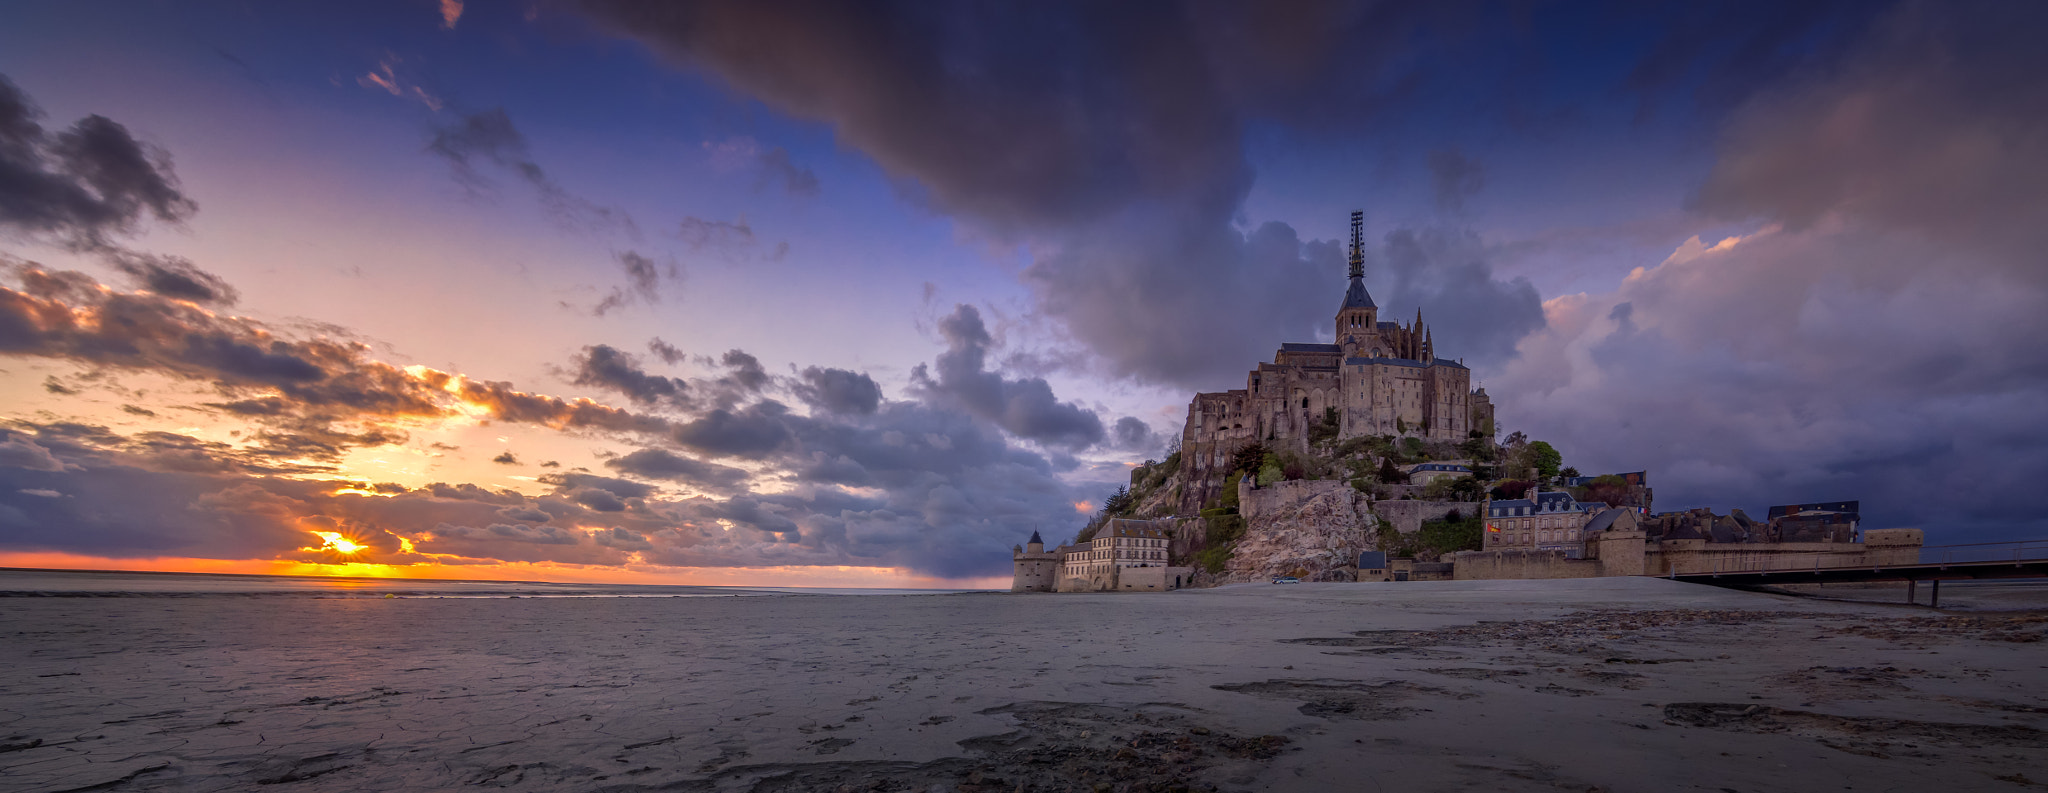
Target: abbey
[{"x": 1379, "y": 378}]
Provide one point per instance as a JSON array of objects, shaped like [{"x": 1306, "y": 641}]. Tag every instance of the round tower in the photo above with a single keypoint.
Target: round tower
[{"x": 1035, "y": 569}]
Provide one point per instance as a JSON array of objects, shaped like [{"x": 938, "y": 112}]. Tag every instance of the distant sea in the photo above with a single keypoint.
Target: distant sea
[{"x": 20, "y": 582}]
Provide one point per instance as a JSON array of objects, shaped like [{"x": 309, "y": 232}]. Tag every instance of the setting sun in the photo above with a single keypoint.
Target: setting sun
[{"x": 338, "y": 544}]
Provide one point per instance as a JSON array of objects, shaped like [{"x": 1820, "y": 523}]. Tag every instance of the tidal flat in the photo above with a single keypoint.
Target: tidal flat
[{"x": 1594, "y": 684}]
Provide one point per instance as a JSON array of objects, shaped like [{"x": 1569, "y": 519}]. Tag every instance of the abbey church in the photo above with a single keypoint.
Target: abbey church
[{"x": 1380, "y": 378}]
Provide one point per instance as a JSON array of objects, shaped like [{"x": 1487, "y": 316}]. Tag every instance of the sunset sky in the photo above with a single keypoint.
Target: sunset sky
[{"x": 861, "y": 294}]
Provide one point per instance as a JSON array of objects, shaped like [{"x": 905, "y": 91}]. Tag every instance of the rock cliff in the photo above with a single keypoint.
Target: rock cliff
[{"x": 1310, "y": 529}]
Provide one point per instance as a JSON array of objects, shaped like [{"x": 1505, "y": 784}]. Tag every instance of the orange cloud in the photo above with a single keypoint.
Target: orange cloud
[{"x": 781, "y": 576}]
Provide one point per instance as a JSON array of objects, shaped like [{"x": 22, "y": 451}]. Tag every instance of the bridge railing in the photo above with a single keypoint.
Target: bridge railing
[
  {"x": 1735, "y": 560},
  {"x": 2011, "y": 550}
]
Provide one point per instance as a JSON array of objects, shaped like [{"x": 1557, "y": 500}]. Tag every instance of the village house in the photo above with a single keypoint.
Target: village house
[
  {"x": 1124, "y": 556},
  {"x": 1540, "y": 521}
]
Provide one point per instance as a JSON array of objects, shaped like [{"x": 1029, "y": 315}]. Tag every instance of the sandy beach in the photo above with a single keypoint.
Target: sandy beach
[{"x": 1598, "y": 684}]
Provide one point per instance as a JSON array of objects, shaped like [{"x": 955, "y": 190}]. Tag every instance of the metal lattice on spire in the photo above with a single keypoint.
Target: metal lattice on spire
[
  {"x": 1358, "y": 243},
  {"x": 1355, "y": 296}
]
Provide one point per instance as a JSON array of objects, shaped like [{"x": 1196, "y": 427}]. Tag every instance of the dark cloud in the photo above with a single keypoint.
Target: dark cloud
[
  {"x": 1456, "y": 176},
  {"x": 174, "y": 276},
  {"x": 1026, "y": 407},
  {"x": 1124, "y": 170},
  {"x": 643, "y": 282},
  {"x": 746, "y": 371},
  {"x": 668, "y": 353},
  {"x": 506, "y": 458},
  {"x": 662, "y": 464},
  {"x": 753, "y": 432},
  {"x": 1877, "y": 338},
  {"x": 1194, "y": 307},
  {"x": 1132, "y": 434},
  {"x": 602, "y": 366},
  {"x": 20, "y": 451},
  {"x": 1445, "y": 273},
  {"x": 838, "y": 391},
  {"x": 299, "y": 388},
  {"x": 510, "y": 404},
  {"x": 488, "y": 138},
  {"x": 83, "y": 185},
  {"x": 924, "y": 484}
]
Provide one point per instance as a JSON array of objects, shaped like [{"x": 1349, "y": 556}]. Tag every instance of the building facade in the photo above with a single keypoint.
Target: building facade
[
  {"x": 1539, "y": 521},
  {"x": 1123, "y": 556},
  {"x": 1377, "y": 378}
]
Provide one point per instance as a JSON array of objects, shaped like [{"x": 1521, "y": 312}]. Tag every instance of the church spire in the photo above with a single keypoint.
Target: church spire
[
  {"x": 1357, "y": 244},
  {"x": 1356, "y": 296}
]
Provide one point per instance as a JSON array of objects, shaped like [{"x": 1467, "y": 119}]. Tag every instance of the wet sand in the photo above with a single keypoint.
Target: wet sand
[{"x": 1602, "y": 684}]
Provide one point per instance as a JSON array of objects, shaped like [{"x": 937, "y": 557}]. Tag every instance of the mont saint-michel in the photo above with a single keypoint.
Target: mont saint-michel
[
  {"x": 1373, "y": 459},
  {"x": 1380, "y": 378}
]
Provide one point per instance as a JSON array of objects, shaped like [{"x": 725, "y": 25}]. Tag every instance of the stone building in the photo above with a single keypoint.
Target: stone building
[
  {"x": 1037, "y": 569},
  {"x": 1376, "y": 378},
  {"x": 1539, "y": 521},
  {"x": 1123, "y": 556},
  {"x": 1425, "y": 473}
]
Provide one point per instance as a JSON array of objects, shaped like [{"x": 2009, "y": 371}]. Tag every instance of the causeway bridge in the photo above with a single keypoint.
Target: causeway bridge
[{"x": 1938, "y": 563}]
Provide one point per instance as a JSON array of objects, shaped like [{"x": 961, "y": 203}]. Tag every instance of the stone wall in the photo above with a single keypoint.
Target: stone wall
[
  {"x": 1619, "y": 552},
  {"x": 1880, "y": 547},
  {"x": 1153, "y": 579},
  {"x": 1519, "y": 563},
  {"x": 1407, "y": 517},
  {"x": 1258, "y": 502}
]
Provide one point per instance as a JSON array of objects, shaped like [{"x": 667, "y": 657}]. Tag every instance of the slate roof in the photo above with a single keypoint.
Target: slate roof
[
  {"x": 1550, "y": 503},
  {"x": 1122, "y": 527},
  {"x": 1034, "y": 538},
  {"x": 1823, "y": 506},
  {"x": 1604, "y": 520},
  {"x": 1290, "y": 346},
  {"x": 1404, "y": 362},
  {"x": 1387, "y": 361},
  {"x": 1439, "y": 467},
  {"x": 1356, "y": 296}
]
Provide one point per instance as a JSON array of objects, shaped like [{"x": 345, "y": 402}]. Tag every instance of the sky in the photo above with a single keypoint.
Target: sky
[{"x": 839, "y": 294}]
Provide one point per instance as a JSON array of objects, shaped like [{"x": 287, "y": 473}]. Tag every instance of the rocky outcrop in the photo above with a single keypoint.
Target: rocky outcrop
[{"x": 1308, "y": 528}]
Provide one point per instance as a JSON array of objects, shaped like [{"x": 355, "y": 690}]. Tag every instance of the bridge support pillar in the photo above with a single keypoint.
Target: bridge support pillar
[
  {"x": 1936, "y": 600},
  {"x": 1911, "y": 585}
]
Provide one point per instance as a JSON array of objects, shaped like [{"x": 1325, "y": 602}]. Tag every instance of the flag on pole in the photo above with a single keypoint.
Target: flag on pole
[{"x": 1492, "y": 528}]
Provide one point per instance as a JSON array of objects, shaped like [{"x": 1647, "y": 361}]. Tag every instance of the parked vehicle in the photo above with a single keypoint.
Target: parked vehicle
[{"x": 1286, "y": 579}]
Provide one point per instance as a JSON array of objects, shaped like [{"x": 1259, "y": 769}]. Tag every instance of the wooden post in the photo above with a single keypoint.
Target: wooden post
[
  {"x": 1911, "y": 585},
  {"x": 1935, "y": 601}
]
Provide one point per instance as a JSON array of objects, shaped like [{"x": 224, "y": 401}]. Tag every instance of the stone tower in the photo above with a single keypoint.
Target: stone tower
[
  {"x": 1037, "y": 570},
  {"x": 1358, "y": 318}
]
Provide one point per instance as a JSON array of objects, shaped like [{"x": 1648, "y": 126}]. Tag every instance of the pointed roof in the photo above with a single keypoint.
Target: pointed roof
[
  {"x": 1034, "y": 538},
  {"x": 1356, "y": 296}
]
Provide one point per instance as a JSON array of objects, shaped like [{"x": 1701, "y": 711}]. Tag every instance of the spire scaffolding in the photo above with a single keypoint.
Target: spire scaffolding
[{"x": 1358, "y": 243}]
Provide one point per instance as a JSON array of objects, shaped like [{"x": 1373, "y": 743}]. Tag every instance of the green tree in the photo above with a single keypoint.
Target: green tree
[
  {"x": 1248, "y": 457},
  {"x": 1544, "y": 459},
  {"x": 1326, "y": 429},
  {"x": 1390, "y": 474},
  {"x": 1118, "y": 503}
]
